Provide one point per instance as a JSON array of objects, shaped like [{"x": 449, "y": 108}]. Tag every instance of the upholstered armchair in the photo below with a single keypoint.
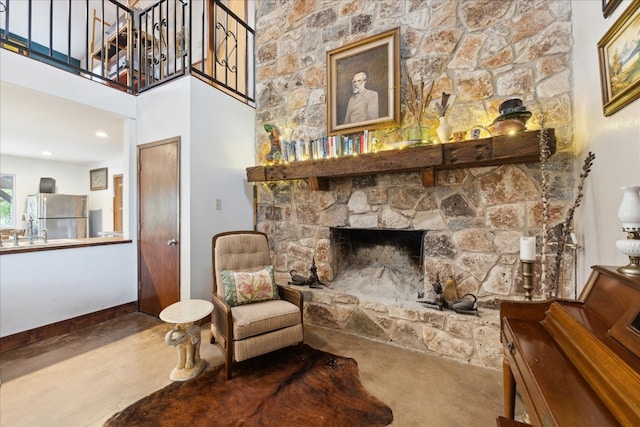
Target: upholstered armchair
[{"x": 252, "y": 315}]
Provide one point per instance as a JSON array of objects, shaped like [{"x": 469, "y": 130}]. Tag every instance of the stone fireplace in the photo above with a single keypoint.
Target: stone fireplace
[
  {"x": 472, "y": 218},
  {"x": 466, "y": 227}
]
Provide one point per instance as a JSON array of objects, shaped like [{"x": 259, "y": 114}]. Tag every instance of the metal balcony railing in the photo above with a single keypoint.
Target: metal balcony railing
[{"x": 132, "y": 48}]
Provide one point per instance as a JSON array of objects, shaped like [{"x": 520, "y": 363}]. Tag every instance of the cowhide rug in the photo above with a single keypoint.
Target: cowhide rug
[{"x": 290, "y": 387}]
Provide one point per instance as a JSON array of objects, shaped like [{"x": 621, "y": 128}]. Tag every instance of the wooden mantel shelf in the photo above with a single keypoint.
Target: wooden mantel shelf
[{"x": 499, "y": 150}]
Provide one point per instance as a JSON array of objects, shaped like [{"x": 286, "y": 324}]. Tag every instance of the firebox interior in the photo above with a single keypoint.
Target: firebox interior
[{"x": 382, "y": 264}]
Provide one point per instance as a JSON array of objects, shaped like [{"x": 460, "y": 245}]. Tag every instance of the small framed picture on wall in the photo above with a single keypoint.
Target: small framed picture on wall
[{"x": 98, "y": 179}]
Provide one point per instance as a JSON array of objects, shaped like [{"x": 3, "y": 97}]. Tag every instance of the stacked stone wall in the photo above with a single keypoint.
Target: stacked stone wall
[{"x": 483, "y": 52}]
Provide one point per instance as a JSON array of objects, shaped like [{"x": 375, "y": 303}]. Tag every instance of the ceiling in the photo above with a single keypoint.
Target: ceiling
[{"x": 32, "y": 122}]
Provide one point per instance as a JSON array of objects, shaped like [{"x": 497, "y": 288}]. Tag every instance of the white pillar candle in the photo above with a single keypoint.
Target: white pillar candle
[{"x": 528, "y": 248}]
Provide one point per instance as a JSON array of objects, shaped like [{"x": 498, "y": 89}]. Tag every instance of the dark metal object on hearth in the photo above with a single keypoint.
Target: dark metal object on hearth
[
  {"x": 463, "y": 305},
  {"x": 297, "y": 279},
  {"x": 313, "y": 281},
  {"x": 439, "y": 302}
]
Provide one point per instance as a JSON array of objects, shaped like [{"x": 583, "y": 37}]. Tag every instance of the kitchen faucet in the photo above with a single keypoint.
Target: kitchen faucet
[
  {"x": 30, "y": 229},
  {"x": 31, "y": 238},
  {"x": 30, "y": 235}
]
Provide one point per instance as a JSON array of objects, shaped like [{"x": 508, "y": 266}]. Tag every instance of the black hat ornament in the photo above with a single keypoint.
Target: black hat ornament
[{"x": 513, "y": 109}]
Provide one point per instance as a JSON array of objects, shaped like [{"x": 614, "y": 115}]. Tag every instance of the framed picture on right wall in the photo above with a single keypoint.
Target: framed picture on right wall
[
  {"x": 608, "y": 6},
  {"x": 619, "y": 56}
]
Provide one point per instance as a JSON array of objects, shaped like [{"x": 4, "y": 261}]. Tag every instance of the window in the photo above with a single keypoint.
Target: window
[{"x": 7, "y": 205}]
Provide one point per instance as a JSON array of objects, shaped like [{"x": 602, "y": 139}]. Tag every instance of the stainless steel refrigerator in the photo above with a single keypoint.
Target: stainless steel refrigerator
[{"x": 64, "y": 216}]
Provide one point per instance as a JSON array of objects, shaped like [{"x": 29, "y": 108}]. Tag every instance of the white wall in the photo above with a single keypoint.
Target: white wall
[
  {"x": 40, "y": 288},
  {"x": 217, "y": 141},
  {"x": 222, "y": 147},
  {"x": 615, "y": 140}
]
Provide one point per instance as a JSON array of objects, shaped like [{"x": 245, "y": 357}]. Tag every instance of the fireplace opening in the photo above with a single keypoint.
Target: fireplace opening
[{"x": 379, "y": 264}]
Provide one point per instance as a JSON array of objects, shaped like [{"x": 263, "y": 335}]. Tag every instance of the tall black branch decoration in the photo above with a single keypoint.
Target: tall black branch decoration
[{"x": 567, "y": 225}]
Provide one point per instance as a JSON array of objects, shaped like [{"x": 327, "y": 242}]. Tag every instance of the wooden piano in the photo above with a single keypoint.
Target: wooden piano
[{"x": 575, "y": 362}]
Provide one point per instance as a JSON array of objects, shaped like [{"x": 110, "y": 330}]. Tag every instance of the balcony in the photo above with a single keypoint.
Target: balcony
[{"x": 135, "y": 49}]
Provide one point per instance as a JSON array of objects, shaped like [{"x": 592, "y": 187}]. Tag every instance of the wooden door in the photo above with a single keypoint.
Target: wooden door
[
  {"x": 158, "y": 225},
  {"x": 117, "y": 203}
]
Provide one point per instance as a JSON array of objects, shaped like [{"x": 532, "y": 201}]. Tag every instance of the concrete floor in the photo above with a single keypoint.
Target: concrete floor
[{"x": 81, "y": 379}]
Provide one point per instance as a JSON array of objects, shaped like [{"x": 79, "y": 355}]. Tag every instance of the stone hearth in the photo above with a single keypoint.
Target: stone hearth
[
  {"x": 471, "y": 339},
  {"x": 377, "y": 275},
  {"x": 472, "y": 222}
]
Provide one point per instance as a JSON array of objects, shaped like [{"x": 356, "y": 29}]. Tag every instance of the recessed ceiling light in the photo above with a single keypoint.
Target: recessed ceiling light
[
  {"x": 101, "y": 134},
  {"x": 47, "y": 153}
]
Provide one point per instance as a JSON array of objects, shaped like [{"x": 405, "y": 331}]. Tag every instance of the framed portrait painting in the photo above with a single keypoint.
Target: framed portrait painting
[
  {"x": 619, "y": 56},
  {"x": 98, "y": 179},
  {"x": 363, "y": 89}
]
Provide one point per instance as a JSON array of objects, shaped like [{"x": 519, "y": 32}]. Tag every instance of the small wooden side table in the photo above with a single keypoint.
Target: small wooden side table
[{"x": 186, "y": 336}]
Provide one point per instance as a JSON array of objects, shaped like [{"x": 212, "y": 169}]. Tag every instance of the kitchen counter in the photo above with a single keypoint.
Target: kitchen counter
[
  {"x": 67, "y": 278},
  {"x": 55, "y": 244}
]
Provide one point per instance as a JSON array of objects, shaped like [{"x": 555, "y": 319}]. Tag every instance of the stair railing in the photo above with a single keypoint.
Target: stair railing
[{"x": 135, "y": 49}]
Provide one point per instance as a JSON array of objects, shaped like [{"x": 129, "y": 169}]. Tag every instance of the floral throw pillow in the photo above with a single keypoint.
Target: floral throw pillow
[{"x": 244, "y": 288}]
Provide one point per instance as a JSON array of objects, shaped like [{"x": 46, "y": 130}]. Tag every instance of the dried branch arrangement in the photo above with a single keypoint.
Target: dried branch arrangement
[
  {"x": 566, "y": 226},
  {"x": 545, "y": 153},
  {"x": 442, "y": 106},
  {"x": 417, "y": 99}
]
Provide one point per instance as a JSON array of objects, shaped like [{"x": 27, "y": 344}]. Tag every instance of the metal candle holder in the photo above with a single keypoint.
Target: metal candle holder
[
  {"x": 527, "y": 258},
  {"x": 527, "y": 278}
]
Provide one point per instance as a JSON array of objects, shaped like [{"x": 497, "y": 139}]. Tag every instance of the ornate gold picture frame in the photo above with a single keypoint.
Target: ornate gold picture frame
[
  {"x": 373, "y": 66},
  {"x": 619, "y": 55}
]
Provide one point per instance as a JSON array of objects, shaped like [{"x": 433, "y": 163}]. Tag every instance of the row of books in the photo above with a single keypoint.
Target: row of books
[{"x": 328, "y": 147}]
